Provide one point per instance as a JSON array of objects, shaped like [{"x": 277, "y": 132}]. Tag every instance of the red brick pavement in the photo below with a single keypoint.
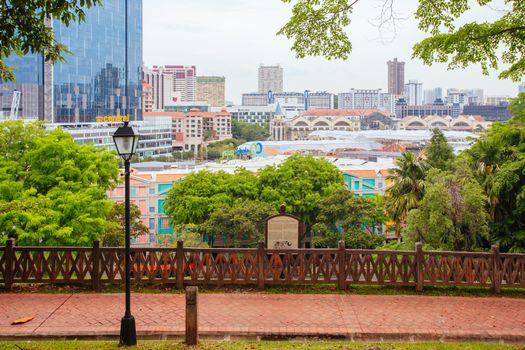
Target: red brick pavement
[{"x": 250, "y": 315}]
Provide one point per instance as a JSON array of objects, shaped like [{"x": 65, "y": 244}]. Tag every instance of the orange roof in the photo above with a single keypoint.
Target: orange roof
[
  {"x": 163, "y": 114},
  {"x": 169, "y": 177},
  {"x": 385, "y": 172},
  {"x": 341, "y": 112},
  {"x": 362, "y": 173},
  {"x": 141, "y": 176}
]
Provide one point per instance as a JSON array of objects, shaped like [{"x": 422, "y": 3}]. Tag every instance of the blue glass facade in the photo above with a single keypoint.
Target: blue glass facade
[{"x": 91, "y": 81}]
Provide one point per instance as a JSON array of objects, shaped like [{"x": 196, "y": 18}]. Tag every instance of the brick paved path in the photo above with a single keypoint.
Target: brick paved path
[{"x": 353, "y": 317}]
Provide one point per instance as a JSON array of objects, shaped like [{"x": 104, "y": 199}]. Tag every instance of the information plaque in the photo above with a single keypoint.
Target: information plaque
[{"x": 283, "y": 231}]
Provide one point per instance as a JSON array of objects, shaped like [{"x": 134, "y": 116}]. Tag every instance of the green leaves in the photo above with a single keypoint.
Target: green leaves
[
  {"x": 52, "y": 189},
  {"x": 317, "y": 28},
  {"x": 23, "y": 28}
]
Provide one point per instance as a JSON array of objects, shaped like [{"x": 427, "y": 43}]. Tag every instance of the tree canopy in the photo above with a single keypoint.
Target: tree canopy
[
  {"x": 439, "y": 153},
  {"x": 249, "y": 132},
  {"x": 317, "y": 28},
  {"x": 235, "y": 204},
  {"x": 52, "y": 190},
  {"x": 24, "y": 28}
]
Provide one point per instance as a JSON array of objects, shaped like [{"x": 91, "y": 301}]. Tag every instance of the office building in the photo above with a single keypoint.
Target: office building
[
  {"x": 162, "y": 86},
  {"x": 491, "y": 113},
  {"x": 414, "y": 93},
  {"x": 496, "y": 99},
  {"x": 186, "y": 106},
  {"x": 192, "y": 129},
  {"x": 396, "y": 77},
  {"x": 270, "y": 79},
  {"x": 430, "y": 96},
  {"x": 147, "y": 97},
  {"x": 319, "y": 100},
  {"x": 367, "y": 99},
  {"x": 211, "y": 90},
  {"x": 92, "y": 80},
  {"x": 261, "y": 115},
  {"x": 437, "y": 108},
  {"x": 184, "y": 81},
  {"x": 155, "y": 134}
]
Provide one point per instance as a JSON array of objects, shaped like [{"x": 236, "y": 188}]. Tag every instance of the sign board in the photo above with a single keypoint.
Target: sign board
[
  {"x": 111, "y": 118},
  {"x": 283, "y": 231}
]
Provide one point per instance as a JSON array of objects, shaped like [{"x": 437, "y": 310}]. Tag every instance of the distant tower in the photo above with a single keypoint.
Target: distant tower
[
  {"x": 396, "y": 77},
  {"x": 270, "y": 79}
]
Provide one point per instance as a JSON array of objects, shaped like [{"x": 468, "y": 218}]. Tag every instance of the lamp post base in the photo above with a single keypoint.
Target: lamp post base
[{"x": 128, "y": 333}]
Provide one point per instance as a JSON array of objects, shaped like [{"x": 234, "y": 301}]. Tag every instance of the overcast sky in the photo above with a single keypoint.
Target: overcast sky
[{"x": 232, "y": 37}]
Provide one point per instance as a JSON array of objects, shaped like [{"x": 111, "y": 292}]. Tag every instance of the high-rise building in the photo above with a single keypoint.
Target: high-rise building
[
  {"x": 521, "y": 88},
  {"x": 94, "y": 79},
  {"x": 396, "y": 77},
  {"x": 496, "y": 99},
  {"x": 184, "y": 81},
  {"x": 432, "y": 95},
  {"x": 147, "y": 97},
  {"x": 211, "y": 90},
  {"x": 270, "y": 79},
  {"x": 358, "y": 99},
  {"x": 162, "y": 85},
  {"x": 414, "y": 93}
]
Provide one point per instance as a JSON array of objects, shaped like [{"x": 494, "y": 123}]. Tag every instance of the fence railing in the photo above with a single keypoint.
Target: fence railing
[{"x": 182, "y": 266}]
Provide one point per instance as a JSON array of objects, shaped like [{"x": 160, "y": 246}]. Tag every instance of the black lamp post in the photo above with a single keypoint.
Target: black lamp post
[{"x": 126, "y": 140}]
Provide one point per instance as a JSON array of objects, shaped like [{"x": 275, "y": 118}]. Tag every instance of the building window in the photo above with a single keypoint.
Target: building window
[
  {"x": 356, "y": 185},
  {"x": 151, "y": 191},
  {"x": 151, "y": 223},
  {"x": 165, "y": 223},
  {"x": 151, "y": 209}
]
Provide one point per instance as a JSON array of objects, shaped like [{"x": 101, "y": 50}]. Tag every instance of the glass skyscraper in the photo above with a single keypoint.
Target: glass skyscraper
[{"x": 92, "y": 80}]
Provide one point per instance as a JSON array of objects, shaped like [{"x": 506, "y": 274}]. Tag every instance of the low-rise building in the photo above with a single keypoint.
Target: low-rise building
[
  {"x": 462, "y": 123},
  {"x": 260, "y": 115},
  {"x": 194, "y": 128},
  {"x": 155, "y": 134}
]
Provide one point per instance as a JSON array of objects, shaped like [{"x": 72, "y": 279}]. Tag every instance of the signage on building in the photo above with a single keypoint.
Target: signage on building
[
  {"x": 111, "y": 118},
  {"x": 283, "y": 231},
  {"x": 254, "y": 150}
]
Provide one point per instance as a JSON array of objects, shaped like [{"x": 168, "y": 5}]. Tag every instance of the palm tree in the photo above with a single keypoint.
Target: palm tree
[{"x": 408, "y": 188}]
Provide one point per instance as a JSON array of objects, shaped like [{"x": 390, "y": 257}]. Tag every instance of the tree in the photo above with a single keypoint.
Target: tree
[
  {"x": 354, "y": 219},
  {"x": 249, "y": 132},
  {"x": 23, "y": 28},
  {"x": 439, "y": 153},
  {"x": 498, "y": 160},
  {"x": 317, "y": 28},
  {"x": 52, "y": 189},
  {"x": 452, "y": 214},
  {"x": 241, "y": 225},
  {"x": 193, "y": 199},
  {"x": 300, "y": 182},
  {"x": 115, "y": 233},
  {"x": 408, "y": 188}
]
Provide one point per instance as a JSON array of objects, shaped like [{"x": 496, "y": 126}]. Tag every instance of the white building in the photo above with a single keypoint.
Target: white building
[
  {"x": 270, "y": 79},
  {"x": 155, "y": 134},
  {"x": 367, "y": 99},
  {"x": 161, "y": 83},
  {"x": 261, "y": 115},
  {"x": 414, "y": 92}
]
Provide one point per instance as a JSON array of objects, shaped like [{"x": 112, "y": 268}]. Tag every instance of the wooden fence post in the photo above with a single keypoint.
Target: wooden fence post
[
  {"x": 9, "y": 270},
  {"x": 95, "y": 272},
  {"x": 180, "y": 265},
  {"x": 341, "y": 257},
  {"x": 260, "y": 266},
  {"x": 419, "y": 267},
  {"x": 192, "y": 327},
  {"x": 496, "y": 269}
]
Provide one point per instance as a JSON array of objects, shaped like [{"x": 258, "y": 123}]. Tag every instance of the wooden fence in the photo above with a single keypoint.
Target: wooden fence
[{"x": 259, "y": 266}]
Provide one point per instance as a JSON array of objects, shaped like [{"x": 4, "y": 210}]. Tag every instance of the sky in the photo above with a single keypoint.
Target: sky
[{"x": 232, "y": 38}]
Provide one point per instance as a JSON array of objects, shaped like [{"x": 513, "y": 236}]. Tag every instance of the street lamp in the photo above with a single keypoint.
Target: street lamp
[{"x": 126, "y": 140}]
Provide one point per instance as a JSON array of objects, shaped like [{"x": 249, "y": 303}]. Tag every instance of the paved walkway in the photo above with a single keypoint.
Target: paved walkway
[{"x": 352, "y": 317}]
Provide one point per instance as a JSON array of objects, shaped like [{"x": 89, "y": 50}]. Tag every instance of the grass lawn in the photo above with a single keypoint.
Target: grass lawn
[
  {"x": 250, "y": 345},
  {"x": 282, "y": 289}
]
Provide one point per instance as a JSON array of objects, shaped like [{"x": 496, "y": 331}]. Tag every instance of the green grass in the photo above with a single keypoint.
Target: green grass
[
  {"x": 250, "y": 345},
  {"x": 284, "y": 289}
]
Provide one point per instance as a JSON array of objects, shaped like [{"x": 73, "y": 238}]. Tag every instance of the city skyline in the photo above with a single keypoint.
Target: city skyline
[{"x": 241, "y": 36}]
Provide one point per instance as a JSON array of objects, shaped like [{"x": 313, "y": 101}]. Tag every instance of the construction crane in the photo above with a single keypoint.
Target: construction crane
[{"x": 15, "y": 102}]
